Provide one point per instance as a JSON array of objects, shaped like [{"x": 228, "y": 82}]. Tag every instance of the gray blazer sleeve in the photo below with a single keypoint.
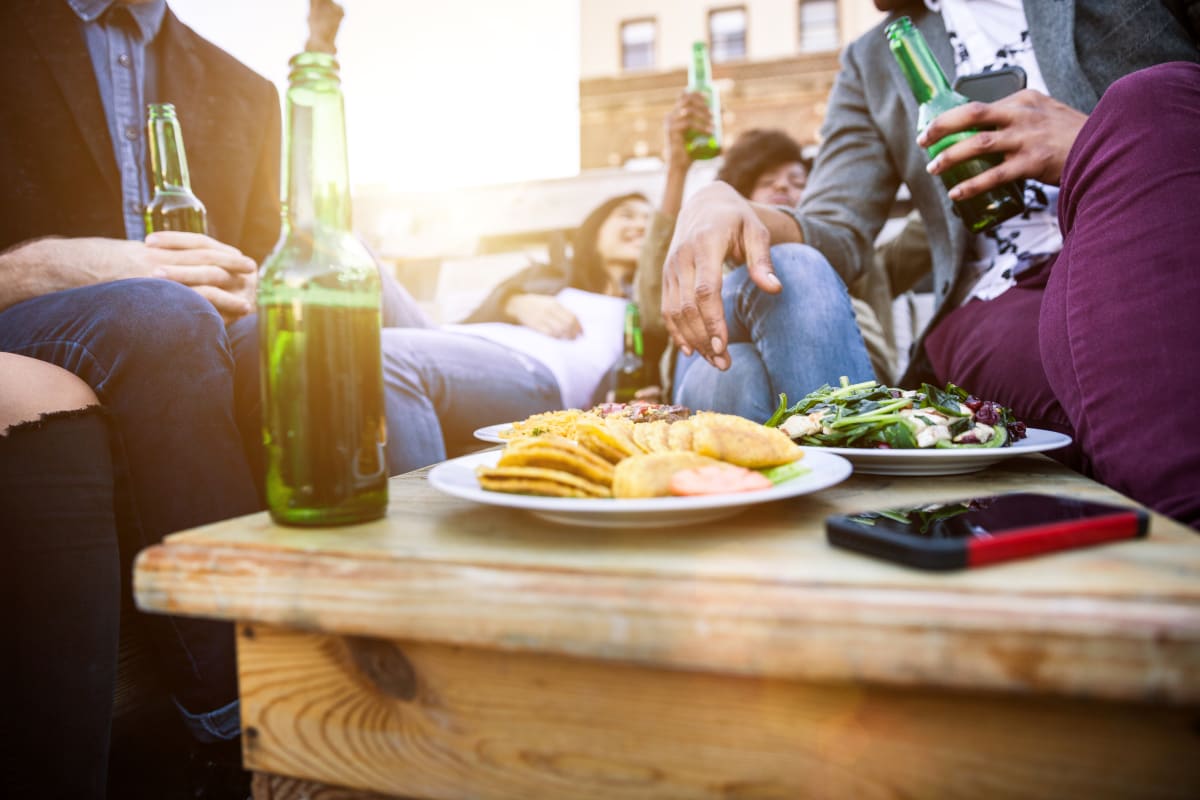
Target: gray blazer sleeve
[{"x": 854, "y": 182}]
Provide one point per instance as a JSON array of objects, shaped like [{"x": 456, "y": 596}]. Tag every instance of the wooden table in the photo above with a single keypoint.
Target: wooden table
[{"x": 459, "y": 651}]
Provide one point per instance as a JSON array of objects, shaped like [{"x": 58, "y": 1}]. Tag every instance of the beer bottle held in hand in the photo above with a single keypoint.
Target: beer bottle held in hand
[
  {"x": 631, "y": 368},
  {"x": 173, "y": 206},
  {"x": 319, "y": 325},
  {"x": 932, "y": 91},
  {"x": 704, "y": 145}
]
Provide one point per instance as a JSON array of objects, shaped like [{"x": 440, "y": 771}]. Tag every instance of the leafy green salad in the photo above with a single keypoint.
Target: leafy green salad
[{"x": 870, "y": 415}]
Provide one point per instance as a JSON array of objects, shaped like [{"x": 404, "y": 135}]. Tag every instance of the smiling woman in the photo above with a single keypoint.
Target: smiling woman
[{"x": 444, "y": 95}]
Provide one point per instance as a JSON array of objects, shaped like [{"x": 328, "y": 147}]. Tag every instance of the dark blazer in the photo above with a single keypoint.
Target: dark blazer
[{"x": 58, "y": 175}]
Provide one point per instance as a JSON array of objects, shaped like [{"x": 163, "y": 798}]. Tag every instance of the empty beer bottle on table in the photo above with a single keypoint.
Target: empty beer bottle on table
[
  {"x": 631, "y": 373},
  {"x": 699, "y": 144},
  {"x": 173, "y": 206},
  {"x": 319, "y": 323},
  {"x": 932, "y": 91}
]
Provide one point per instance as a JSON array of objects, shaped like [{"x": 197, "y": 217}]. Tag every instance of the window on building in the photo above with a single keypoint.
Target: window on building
[
  {"x": 637, "y": 44},
  {"x": 727, "y": 34},
  {"x": 818, "y": 26}
]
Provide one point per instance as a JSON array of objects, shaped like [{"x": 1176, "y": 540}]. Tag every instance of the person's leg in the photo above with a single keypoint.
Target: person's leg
[
  {"x": 61, "y": 582},
  {"x": 157, "y": 356},
  {"x": 743, "y": 389},
  {"x": 441, "y": 386},
  {"x": 990, "y": 348},
  {"x": 805, "y": 337},
  {"x": 1120, "y": 332}
]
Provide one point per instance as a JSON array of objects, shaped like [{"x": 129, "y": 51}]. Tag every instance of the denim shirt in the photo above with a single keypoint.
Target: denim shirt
[{"x": 125, "y": 68}]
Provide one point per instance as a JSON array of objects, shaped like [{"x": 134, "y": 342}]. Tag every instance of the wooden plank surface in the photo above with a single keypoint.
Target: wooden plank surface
[
  {"x": 432, "y": 721},
  {"x": 758, "y": 594}
]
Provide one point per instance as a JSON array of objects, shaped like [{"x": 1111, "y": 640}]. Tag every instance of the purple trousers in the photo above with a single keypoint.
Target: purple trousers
[{"x": 1108, "y": 349}]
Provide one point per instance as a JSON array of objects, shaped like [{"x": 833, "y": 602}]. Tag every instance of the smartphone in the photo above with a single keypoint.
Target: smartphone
[
  {"x": 990, "y": 86},
  {"x": 984, "y": 530}
]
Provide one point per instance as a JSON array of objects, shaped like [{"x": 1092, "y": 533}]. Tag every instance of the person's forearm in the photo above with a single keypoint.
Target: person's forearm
[
  {"x": 783, "y": 227},
  {"x": 672, "y": 199},
  {"x": 43, "y": 266}
]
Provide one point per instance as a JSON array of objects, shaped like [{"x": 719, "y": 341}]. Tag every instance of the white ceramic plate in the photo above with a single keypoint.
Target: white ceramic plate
[
  {"x": 944, "y": 462},
  {"x": 457, "y": 477},
  {"x": 491, "y": 433}
]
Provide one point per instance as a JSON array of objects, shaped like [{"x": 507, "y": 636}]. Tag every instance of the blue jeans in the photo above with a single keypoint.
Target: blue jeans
[
  {"x": 160, "y": 359},
  {"x": 792, "y": 342},
  {"x": 442, "y": 385}
]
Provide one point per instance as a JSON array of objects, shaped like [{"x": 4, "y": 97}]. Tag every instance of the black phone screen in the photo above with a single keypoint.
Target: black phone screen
[
  {"x": 994, "y": 515},
  {"x": 990, "y": 86},
  {"x": 984, "y": 530}
]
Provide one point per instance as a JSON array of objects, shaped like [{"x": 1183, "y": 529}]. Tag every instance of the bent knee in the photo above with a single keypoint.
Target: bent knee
[
  {"x": 30, "y": 388},
  {"x": 1141, "y": 96},
  {"x": 152, "y": 313},
  {"x": 804, "y": 266}
]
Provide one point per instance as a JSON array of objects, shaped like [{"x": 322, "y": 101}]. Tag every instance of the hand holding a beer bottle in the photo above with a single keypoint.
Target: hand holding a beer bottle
[
  {"x": 218, "y": 272},
  {"x": 689, "y": 115},
  {"x": 1032, "y": 131}
]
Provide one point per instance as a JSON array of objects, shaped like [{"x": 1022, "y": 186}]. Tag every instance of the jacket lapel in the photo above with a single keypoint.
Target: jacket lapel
[
  {"x": 1052, "y": 28},
  {"x": 181, "y": 78},
  {"x": 55, "y": 29}
]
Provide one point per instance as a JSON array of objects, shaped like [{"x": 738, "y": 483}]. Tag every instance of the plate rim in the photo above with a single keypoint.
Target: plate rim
[
  {"x": 838, "y": 469},
  {"x": 488, "y": 433},
  {"x": 1058, "y": 440}
]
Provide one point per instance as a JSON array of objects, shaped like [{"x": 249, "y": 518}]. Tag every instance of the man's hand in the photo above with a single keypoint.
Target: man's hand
[
  {"x": 216, "y": 271},
  {"x": 324, "y": 18},
  {"x": 1033, "y": 131},
  {"x": 715, "y": 225},
  {"x": 543, "y": 314}
]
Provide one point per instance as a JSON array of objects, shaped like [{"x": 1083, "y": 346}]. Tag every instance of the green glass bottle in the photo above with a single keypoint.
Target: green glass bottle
[
  {"x": 173, "y": 206},
  {"x": 704, "y": 145},
  {"x": 929, "y": 85},
  {"x": 631, "y": 368},
  {"x": 319, "y": 325}
]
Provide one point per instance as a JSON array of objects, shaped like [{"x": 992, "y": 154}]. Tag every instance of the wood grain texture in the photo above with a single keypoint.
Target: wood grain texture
[
  {"x": 492, "y": 725},
  {"x": 266, "y": 786},
  {"x": 760, "y": 594}
]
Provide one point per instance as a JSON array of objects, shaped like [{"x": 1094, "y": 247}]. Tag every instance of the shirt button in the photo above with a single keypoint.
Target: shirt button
[
  {"x": 131, "y": 132},
  {"x": 124, "y": 60},
  {"x": 135, "y": 206}
]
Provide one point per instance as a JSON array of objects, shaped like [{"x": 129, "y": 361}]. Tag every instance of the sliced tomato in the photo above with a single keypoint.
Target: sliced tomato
[{"x": 717, "y": 479}]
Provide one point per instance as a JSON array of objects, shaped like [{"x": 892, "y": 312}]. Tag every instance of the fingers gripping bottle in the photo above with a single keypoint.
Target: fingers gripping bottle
[{"x": 934, "y": 96}]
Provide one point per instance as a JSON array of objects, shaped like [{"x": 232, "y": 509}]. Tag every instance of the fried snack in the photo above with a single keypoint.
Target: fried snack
[
  {"x": 611, "y": 443},
  {"x": 557, "y": 453},
  {"x": 679, "y": 436},
  {"x": 537, "y": 480},
  {"x": 649, "y": 474},
  {"x": 559, "y": 423},
  {"x": 737, "y": 440},
  {"x": 652, "y": 436}
]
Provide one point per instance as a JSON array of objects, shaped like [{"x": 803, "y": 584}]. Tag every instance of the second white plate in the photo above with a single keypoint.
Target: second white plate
[{"x": 945, "y": 462}]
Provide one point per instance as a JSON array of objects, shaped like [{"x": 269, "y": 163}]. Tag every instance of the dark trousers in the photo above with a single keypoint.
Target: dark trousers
[
  {"x": 160, "y": 360},
  {"x": 1104, "y": 344}
]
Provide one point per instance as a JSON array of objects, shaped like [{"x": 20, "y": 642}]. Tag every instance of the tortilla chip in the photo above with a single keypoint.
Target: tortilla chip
[
  {"x": 649, "y": 475},
  {"x": 609, "y": 443},
  {"x": 554, "y": 452},
  {"x": 679, "y": 436},
  {"x": 737, "y": 440},
  {"x": 539, "y": 481}
]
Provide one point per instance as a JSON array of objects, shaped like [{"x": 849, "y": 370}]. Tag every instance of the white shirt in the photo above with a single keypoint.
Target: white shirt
[
  {"x": 578, "y": 364},
  {"x": 987, "y": 34}
]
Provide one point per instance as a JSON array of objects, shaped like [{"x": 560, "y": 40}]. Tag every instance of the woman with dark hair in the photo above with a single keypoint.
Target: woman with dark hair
[
  {"x": 541, "y": 340},
  {"x": 767, "y": 164}
]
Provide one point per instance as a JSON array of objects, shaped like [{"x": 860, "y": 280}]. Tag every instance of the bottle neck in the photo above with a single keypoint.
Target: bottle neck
[
  {"x": 699, "y": 69},
  {"x": 168, "y": 164},
  {"x": 316, "y": 177},
  {"x": 920, "y": 68}
]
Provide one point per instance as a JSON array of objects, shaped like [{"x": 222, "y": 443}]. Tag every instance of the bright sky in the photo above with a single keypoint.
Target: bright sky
[{"x": 439, "y": 94}]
